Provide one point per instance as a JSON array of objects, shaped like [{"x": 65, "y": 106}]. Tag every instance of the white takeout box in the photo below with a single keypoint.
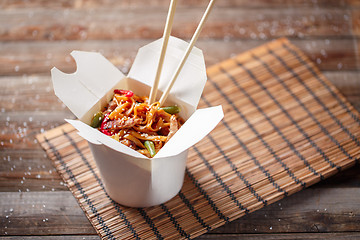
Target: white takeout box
[{"x": 129, "y": 177}]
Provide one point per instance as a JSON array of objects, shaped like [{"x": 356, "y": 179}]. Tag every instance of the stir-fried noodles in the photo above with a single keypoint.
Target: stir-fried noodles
[{"x": 129, "y": 119}]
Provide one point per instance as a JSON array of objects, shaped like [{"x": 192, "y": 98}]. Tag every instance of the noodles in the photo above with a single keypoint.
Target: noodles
[{"x": 130, "y": 120}]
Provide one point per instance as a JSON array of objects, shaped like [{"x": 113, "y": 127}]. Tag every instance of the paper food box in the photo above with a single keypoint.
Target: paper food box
[{"x": 129, "y": 177}]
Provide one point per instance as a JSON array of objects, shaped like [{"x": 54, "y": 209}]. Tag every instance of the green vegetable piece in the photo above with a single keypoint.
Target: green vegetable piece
[
  {"x": 97, "y": 120},
  {"x": 171, "y": 109},
  {"x": 150, "y": 147}
]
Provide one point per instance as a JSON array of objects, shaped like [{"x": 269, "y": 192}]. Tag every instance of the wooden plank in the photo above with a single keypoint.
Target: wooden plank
[
  {"x": 28, "y": 170},
  {"x": 20, "y": 58},
  {"x": 12, "y": 183},
  {"x": 18, "y": 130},
  {"x": 357, "y": 45},
  {"x": 42, "y": 213},
  {"x": 11, "y": 4},
  {"x": 348, "y": 84},
  {"x": 28, "y": 93},
  {"x": 355, "y": 13},
  {"x": 353, "y": 3},
  {"x": 56, "y": 237},
  {"x": 110, "y": 23},
  {"x": 273, "y": 236},
  {"x": 283, "y": 236},
  {"x": 312, "y": 210}
]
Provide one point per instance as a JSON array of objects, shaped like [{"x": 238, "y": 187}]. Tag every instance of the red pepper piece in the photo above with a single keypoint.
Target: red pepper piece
[
  {"x": 104, "y": 131},
  {"x": 127, "y": 93}
]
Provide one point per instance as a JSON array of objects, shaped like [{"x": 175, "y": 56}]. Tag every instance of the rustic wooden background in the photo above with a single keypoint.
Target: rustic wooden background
[{"x": 36, "y": 35}]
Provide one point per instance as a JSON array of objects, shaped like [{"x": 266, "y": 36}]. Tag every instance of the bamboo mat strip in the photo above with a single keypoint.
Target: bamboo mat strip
[{"x": 285, "y": 128}]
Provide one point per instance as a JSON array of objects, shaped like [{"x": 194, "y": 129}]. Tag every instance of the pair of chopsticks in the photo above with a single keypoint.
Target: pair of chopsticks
[{"x": 166, "y": 35}]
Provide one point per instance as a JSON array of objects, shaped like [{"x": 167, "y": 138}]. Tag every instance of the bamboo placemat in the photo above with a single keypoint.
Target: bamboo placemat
[{"x": 286, "y": 127}]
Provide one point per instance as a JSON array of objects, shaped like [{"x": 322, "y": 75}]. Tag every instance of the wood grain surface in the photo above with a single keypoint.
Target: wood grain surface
[{"x": 37, "y": 35}]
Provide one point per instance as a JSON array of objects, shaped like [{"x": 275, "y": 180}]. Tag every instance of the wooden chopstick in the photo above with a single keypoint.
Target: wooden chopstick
[
  {"x": 166, "y": 35},
  {"x": 187, "y": 52}
]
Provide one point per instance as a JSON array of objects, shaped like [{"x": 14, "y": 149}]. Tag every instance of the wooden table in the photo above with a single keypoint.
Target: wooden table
[{"x": 37, "y": 35}]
